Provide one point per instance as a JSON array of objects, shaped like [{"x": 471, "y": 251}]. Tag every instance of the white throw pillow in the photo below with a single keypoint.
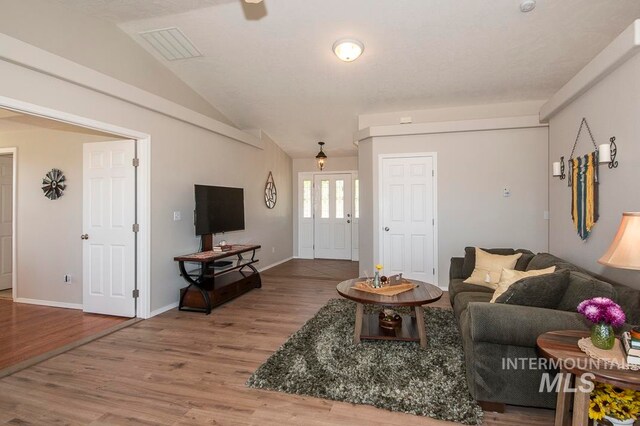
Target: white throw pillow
[
  {"x": 489, "y": 268},
  {"x": 510, "y": 276}
]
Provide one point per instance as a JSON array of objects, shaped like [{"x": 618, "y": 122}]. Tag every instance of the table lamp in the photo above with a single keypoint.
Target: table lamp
[{"x": 624, "y": 251}]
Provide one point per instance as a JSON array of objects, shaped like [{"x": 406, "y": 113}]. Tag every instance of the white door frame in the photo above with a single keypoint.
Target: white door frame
[
  {"x": 378, "y": 227},
  {"x": 312, "y": 175},
  {"x": 14, "y": 271},
  {"x": 143, "y": 190}
]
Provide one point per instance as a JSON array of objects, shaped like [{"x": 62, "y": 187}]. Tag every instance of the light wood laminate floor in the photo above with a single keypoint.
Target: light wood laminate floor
[
  {"x": 28, "y": 330},
  {"x": 183, "y": 368}
]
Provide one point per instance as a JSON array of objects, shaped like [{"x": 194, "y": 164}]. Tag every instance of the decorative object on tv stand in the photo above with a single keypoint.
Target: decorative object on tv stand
[
  {"x": 53, "y": 184},
  {"x": 270, "y": 192},
  {"x": 605, "y": 314},
  {"x": 321, "y": 158}
]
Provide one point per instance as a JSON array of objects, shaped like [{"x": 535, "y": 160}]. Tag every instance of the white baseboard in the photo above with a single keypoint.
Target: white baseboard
[
  {"x": 49, "y": 303},
  {"x": 275, "y": 264},
  {"x": 164, "y": 309}
]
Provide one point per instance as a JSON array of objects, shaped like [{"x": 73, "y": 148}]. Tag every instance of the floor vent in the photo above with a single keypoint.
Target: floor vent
[{"x": 171, "y": 43}]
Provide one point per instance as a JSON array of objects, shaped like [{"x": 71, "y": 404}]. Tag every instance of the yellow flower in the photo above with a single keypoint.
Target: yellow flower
[
  {"x": 379, "y": 267},
  {"x": 595, "y": 411},
  {"x": 620, "y": 393}
]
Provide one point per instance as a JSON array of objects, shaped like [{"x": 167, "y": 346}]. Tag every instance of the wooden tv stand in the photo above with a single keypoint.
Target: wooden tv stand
[{"x": 211, "y": 285}]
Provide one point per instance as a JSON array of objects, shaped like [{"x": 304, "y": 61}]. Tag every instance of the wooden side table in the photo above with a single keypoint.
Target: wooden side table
[{"x": 562, "y": 346}]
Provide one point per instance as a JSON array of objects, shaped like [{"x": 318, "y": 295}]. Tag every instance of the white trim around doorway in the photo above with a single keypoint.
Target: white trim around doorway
[
  {"x": 13, "y": 151},
  {"x": 143, "y": 192}
]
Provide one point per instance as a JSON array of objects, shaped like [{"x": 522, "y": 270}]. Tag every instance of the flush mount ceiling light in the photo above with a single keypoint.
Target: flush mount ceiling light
[
  {"x": 527, "y": 5},
  {"x": 348, "y": 49}
]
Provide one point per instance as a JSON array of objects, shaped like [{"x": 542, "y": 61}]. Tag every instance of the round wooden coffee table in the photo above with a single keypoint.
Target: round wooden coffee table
[
  {"x": 562, "y": 346},
  {"x": 412, "y": 328}
]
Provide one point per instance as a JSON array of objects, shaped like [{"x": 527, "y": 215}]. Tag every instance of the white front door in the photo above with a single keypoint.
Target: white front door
[
  {"x": 6, "y": 221},
  {"x": 108, "y": 254},
  {"x": 408, "y": 217},
  {"x": 332, "y": 223}
]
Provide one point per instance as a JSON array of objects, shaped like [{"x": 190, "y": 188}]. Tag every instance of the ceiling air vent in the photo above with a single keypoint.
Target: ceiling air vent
[{"x": 171, "y": 43}]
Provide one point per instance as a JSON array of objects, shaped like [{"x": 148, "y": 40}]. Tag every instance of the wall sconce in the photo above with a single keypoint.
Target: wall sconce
[
  {"x": 558, "y": 169},
  {"x": 607, "y": 153},
  {"x": 321, "y": 158}
]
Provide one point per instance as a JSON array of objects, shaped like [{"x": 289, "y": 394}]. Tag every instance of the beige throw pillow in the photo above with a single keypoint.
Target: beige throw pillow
[
  {"x": 489, "y": 268},
  {"x": 509, "y": 276}
]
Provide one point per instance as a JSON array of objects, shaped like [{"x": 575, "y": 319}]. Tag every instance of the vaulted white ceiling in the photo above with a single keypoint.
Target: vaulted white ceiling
[{"x": 271, "y": 66}]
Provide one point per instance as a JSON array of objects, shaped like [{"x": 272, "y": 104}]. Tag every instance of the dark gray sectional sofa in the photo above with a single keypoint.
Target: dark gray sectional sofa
[{"x": 494, "y": 331}]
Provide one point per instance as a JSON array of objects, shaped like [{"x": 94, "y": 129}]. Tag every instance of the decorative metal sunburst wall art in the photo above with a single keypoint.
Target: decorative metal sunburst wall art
[
  {"x": 53, "y": 184},
  {"x": 270, "y": 192}
]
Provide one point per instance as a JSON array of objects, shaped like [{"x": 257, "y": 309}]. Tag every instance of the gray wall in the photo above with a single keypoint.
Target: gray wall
[
  {"x": 333, "y": 164},
  {"x": 612, "y": 108},
  {"x": 472, "y": 170},
  {"x": 181, "y": 155}
]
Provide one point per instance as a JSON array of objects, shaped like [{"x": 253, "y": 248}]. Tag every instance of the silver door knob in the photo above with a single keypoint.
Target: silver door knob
[
  {"x": 386, "y": 228},
  {"x": 84, "y": 236}
]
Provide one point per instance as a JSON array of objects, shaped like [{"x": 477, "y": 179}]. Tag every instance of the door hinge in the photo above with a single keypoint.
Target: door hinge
[
  {"x": 135, "y": 293},
  {"x": 434, "y": 271},
  {"x": 433, "y": 173},
  {"x": 433, "y": 222},
  {"x": 136, "y": 162},
  {"x": 136, "y": 227}
]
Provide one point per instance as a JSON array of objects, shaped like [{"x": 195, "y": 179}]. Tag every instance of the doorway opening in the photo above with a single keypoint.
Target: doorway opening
[
  {"x": 7, "y": 156},
  {"x": 16, "y": 113}
]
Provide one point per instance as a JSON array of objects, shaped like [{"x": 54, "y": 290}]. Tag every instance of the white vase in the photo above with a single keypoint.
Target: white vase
[{"x": 616, "y": 422}]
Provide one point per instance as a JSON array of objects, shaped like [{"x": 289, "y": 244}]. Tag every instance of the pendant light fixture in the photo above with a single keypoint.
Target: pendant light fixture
[{"x": 321, "y": 158}]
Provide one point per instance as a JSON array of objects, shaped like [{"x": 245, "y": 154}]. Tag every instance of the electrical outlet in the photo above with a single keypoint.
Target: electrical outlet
[
  {"x": 177, "y": 216},
  {"x": 67, "y": 279},
  {"x": 506, "y": 192},
  {"x": 545, "y": 215}
]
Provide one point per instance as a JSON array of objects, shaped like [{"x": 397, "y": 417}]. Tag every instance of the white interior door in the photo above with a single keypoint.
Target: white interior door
[
  {"x": 332, "y": 221},
  {"x": 108, "y": 219},
  {"x": 6, "y": 221},
  {"x": 408, "y": 224}
]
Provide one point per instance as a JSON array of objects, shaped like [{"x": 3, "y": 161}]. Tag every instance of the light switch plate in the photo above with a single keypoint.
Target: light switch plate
[{"x": 177, "y": 216}]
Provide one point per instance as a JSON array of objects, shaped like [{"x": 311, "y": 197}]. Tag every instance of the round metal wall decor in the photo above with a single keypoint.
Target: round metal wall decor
[
  {"x": 270, "y": 192},
  {"x": 53, "y": 184}
]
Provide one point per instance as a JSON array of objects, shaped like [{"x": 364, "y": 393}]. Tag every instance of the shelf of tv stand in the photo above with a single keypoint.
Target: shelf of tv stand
[
  {"x": 210, "y": 286},
  {"x": 214, "y": 271}
]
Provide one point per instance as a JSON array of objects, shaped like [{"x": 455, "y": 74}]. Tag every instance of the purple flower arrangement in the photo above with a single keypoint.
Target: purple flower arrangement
[{"x": 602, "y": 310}]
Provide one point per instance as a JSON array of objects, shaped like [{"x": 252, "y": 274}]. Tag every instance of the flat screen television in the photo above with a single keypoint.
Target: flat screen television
[{"x": 218, "y": 209}]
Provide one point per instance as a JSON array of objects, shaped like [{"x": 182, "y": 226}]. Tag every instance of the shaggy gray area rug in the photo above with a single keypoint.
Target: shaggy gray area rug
[{"x": 321, "y": 360}]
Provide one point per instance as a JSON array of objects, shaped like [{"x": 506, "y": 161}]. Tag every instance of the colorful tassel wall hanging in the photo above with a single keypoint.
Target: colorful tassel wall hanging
[{"x": 583, "y": 178}]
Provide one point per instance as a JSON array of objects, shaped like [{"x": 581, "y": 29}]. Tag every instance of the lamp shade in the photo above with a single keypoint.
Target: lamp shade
[{"x": 624, "y": 252}]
